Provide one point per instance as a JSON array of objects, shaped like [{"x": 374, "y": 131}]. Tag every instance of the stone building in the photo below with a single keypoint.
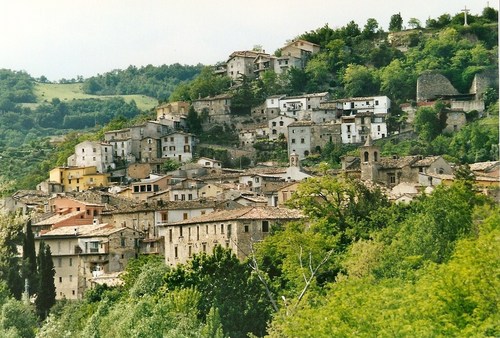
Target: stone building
[
  {"x": 83, "y": 252},
  {"x": 391, "y": 171},
  {"x": 235, "y": 229},
  {"x": 77, "y": 178}
]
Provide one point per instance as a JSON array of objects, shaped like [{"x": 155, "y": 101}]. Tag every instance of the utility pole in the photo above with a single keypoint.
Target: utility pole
[{"x": 465, "y": 10}]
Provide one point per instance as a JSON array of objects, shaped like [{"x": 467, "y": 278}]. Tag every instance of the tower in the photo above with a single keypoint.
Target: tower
[{"x": 369, "y": 158}]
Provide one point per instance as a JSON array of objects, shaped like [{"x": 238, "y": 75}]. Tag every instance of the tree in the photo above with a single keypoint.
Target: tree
[
  {"x": 29, "y": 259},
  {"x": 396, "y": 23},
  {"x": 414, "y": 23},
  {"x": 46, "y": 296},
  {"x": 370, "y": 29},
  {"x": 228, "y": 285},
  {"x": 360, "y": 81},
  {"x": 18, "y": 319}
]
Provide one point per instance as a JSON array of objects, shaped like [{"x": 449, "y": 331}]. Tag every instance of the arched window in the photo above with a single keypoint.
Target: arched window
[{"x": 366, "y": 156}]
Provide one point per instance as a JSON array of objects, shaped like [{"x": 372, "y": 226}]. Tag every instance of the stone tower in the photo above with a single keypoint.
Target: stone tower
[{"x": 369, "y": 155}]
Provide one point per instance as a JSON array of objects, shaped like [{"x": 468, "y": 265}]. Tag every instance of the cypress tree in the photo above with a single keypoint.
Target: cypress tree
[
  {"x": 29, "y": 259},
  {"x": 46, "y": 297}
]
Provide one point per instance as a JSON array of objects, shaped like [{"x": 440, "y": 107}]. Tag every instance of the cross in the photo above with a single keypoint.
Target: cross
[{"x": 465, "y": 10}]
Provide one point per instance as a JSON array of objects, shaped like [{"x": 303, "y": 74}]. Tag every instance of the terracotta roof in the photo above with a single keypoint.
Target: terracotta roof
[
  {"x": 59, "y": 218},
  {"x": 246, "y": 213}
]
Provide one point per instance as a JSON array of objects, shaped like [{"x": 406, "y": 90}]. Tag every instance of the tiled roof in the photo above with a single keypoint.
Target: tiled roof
[
  {"x": 484, "y": 166},
  {"x": 246, "y": 213},
  {"x": 388, "y": 162},
  {"x": 300, "y": 123},
  {"x": 59, "y": 218},
  {"x": 83, "y": 231},
  {"x": 426, "y": 161}
]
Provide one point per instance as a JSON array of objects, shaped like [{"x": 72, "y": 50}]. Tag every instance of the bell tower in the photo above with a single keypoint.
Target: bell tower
[{"x": 369, "y": 155}]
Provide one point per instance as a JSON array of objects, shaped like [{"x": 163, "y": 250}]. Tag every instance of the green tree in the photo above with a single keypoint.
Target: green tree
[
  {"x": 370, "y": 29},
  {"x": 360, "y": 81},
  {"x": 396, "y": 23},
  {"x": 46, "y": 296},
  {"x": 18, "y": 319},
  {"x": 226, "y": 284},
  {"x": 414, "y": 23}
]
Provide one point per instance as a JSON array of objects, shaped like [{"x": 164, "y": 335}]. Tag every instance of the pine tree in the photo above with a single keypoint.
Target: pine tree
[
  {"x": 29, "y": 270},
  {"x": 46, "y": 297}
]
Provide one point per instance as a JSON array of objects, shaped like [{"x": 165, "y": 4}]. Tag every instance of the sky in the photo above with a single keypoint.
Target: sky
[{"x": 67, "y": 38}]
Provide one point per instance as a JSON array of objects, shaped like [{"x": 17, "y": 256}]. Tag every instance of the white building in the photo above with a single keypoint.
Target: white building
[
  {"x": 177, "y": 146},
  {"x": 90, "y": 154}
]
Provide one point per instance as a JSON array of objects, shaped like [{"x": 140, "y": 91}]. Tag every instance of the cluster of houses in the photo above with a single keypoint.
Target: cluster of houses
[{"x": 113, "y": 200}]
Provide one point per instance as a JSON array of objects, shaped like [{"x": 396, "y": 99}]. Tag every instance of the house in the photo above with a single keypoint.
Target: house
[
  {"x": 243, "y": 63},
  {"x": 173, "y": 114},
  {"x": 286, "y": 192},
  {"x": 121, "y": 141},
  {"x": 268, "y": 110},
  {"x": 145, "y": 188},
  {"x": 263, "y": 63},
  {"x": 363, "y": 116},
  {"x": 84, "y": 252},
  {"x": 295, "y": 54},
  {"x": 235, "y": 229},
  {"x": 217, "y": 107},
  {"x": 278, "y": 126},
  {"x": 293, "y": 105},
  {"x": 185, "y": 190},
  {"x": 299, "y": 138},
  {"x": 78, "y": 178},
  {"x": 210, "y": 163},
  {"x": 93, "y": 154},
  {"x": 25, "y": 201},
  {"x": 171, "y": 108},
  {"x": 177, "y": 146},
  {"x": 391, "y": 171}
]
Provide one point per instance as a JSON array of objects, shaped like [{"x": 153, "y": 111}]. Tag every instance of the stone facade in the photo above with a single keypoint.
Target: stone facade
[
  {"x": 235, "y": 229},
  {"x": 432, "y": 85}
]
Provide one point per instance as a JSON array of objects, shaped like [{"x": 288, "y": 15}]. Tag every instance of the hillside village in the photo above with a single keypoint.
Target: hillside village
[{"x": 113, "y": 200}]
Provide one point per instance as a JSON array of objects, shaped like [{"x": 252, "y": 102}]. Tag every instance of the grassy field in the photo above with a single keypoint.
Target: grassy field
[{"x": 45, "y": 92}]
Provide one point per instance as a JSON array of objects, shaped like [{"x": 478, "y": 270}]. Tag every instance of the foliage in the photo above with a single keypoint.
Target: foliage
[
  {"x": 227, "y": 285},
  {"x": 157, "y": 82},
  {"x": 46, "y": 296},
  {"x": 29, "y": 270},
  {"x": 17, "y": 319},
  {"x": 396, "y": 23},
  {"x": 11, "y": 237}
]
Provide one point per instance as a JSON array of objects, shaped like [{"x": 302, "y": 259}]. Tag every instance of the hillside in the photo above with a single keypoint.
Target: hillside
[{"x": 45, "y": 92}]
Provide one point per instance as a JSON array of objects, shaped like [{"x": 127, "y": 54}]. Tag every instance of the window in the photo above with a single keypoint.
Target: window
[
  {"x": 93, "y": 246},
  {"x": 189, "y": 251},
  {"x": 170, "y": 235},
  {"x": 281, "y": 123},
  {"x": 122, "y": 242},
  {"x": 245, "y": 228},
  {"x": 186, "y": 139},
  {"x": 366, "y": 158},
  {"x": 265, "y": 226},
  {"x": 197, "y": 233},
  {"x": 302, "y": 140},
  {"x": 204, "y": 247},
  {"x": 190, "y": 197},
  {"x": 348, "y": 129},
  {"x": 391, "y": 178},
  {"x": 185, "y": 216},
  {"x": 60, "y": 279},
  {"x": 176, "y": 253},
  {"x": 71, "y": 261},
  {"x": 93, "y": 150},
  {"x": 180, "y": 231},
  {"x": 274, "y": 124},
  {"x": 293, "y": 140},
  {"x": 229, "y": 230},
  {"x": 70, "y": 278},
  {"x": 222, "y": 228}
]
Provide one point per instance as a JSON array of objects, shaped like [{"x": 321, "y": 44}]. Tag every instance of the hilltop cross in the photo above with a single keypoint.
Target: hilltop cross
[{"x": 465, "y": 10}]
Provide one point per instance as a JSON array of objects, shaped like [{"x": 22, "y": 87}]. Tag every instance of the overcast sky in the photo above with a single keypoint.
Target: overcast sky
[{"x": 66, "y": 38}]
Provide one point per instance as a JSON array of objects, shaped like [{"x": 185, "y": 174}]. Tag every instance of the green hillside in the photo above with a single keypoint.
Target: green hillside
[{"x": 45, "y": 92}]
